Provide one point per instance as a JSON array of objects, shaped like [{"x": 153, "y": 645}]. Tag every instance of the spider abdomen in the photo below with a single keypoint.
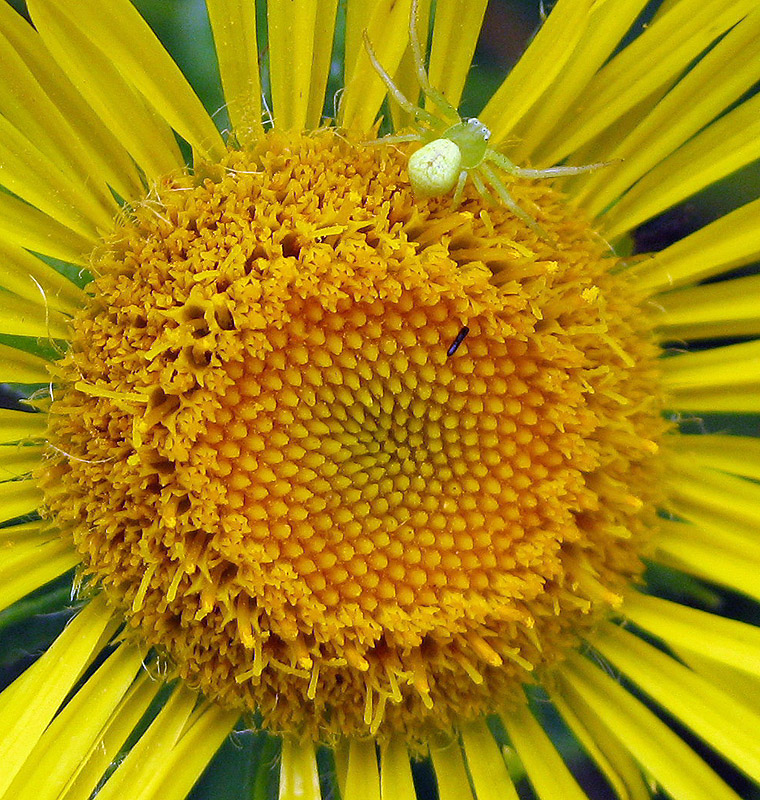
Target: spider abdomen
[{"x": 434, "y": 168}]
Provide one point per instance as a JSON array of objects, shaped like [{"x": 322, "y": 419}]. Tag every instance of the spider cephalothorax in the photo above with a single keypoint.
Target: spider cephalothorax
[{"x": 455, "y": 148}]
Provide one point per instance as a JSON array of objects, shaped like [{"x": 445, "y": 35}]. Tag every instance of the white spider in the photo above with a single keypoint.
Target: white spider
[{"x": 455, "y": 148}]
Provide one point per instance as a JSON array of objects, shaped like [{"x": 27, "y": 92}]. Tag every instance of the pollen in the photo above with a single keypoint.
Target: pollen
[{"x": 355, "y": 462}]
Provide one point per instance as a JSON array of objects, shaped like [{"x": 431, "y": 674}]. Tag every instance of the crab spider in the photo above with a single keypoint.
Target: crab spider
[{"x": 454, "y": 148}]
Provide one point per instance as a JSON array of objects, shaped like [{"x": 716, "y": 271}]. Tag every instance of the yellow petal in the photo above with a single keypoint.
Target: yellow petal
[
  {"x": 29, "y": 704},
  {"x": 112, "y": 739},
  {"x": 731, "y": 241},
  {"x": 727, "y": 308},
  {"x": 23, "y": 318},
  {"x": 606, "y": 27},
  {"x": 19, "y": 426},
  {"x": 405, "y": 77},
  {"x": 455, "y": 34},
  {"x": 451, "y": 773},
  {"x": 76, "y": 729},
  {"x": 22, "y": 367},
  {"x": 489, "y": 774},
  {"x": 33, "y": 279},
  {"x": 725, "y": 146},
  {"x": 207, "y": 729},
  {"x": 31, "y": 175},
  {"x": 112, "y": 159},
  {"x": 340, "y": 753},
  {"x": 726, "y": 531},
  {"x": 718, "y": 80},
  {"x": 727, "y": 641},
  {"x": 16, "y": 460},
  {"x": 725, "y": 368},
  {"x": 730, "y": 498},
  {"x": 713, "y": 548},
  {"x": 140, "y": 772},
  {"x": 299, "y": 779},
  {"x": 739, "y": 455},
  {"x": 18, "y": 498},
  {"x": 667, "y": 758},
  {"x": 26, "y": 106},
  {"x": 722, "y": 378},
  {"x": 320, "y": 69},
  {"x": 363, "y": 779},
  {"x": 36, "y": 531},
  {"x": 121, "y": 34},
  {"x": 538, "y": 67},
  {"x": 233, "y": 23},
  {"x": 546, "y": 770},
  {"x": 22, "y": 224},
  {"x": 665, "y": 6},
  {"x": 357, "y": 14},
  {"x": 717, "y": 400},
  {"x": 651, "y": 63},
  {"x": 396, "y": 772},
  {"x": 33, "y": 565},
  {"x": 139, "y": 129},
  {"x": 291, "y": 42},
  {"x": 739, "y": 684},
  {"x": 607, "y": 753},
  {"x": 726, "y": 724},
  {"x": 20, "y": 540},
  {"x": 387, "y": 27}
]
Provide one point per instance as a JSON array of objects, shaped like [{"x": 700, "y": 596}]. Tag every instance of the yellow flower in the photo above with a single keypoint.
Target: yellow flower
[{"x": 366, "y": 471}]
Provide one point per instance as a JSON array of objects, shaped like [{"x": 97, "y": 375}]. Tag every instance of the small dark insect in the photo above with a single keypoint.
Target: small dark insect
[{"x": 459, "y": 339}]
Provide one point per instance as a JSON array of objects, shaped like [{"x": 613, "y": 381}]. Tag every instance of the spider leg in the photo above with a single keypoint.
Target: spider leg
[
  {"x": 552, "y": 172},
  {"x": 459, "y": 191},
  {"x": 395, "y": 92},
  {"x": 396, "y": 138},
  {"x": 480, "y": 186},
  {"x": 419, "y": 65},
  {"x": 495, "y": 182}
]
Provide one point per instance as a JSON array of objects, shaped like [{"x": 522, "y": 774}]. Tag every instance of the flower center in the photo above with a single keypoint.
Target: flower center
[{"x": 357, "y": 462}]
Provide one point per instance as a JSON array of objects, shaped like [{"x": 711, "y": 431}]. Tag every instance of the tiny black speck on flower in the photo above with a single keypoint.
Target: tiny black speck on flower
[{"x": 457, "y": 341}]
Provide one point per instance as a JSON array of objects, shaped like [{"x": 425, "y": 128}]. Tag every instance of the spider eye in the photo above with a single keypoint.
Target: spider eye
[
  {"x": 477, "y": 129},
  {"x": 434, "y": 168}
]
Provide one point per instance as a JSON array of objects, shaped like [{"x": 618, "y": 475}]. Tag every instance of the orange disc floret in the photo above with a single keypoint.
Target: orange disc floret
[{"x": 292, "y": 483}]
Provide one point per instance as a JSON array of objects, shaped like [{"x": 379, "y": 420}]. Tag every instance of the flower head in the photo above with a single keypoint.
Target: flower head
[{"x": 357, "y": 467}]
